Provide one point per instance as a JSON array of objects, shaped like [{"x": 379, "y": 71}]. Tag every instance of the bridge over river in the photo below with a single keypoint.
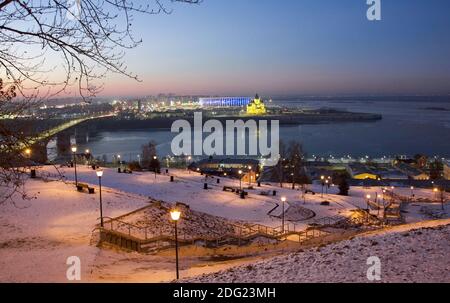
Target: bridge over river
[{"x": 62, "y": 132}]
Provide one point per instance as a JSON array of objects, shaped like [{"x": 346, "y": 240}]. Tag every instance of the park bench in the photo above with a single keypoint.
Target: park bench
[
  {"x": 229, "y": 189},
  {"x": 308, "y": 191},
  {"x": 265, "y": 193},
  {"x": 82, "y": 186},
  {"x": 239, "y": 191},
  {"x": 124, "y": 171}
]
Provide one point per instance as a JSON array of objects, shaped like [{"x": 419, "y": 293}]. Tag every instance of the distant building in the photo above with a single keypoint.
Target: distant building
[
  {"x": 361, "y": 172},
  {"x": 315, "y": 169},
  {"x": 412, "y": 172},
  {"x": 250, "y": 177},
  {"x": 224, "y": 101},
  {"x": 256, "y": 107}
]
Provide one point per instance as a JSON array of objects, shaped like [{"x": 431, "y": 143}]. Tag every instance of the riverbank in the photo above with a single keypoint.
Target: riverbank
[{"x": 164, "y": 121}]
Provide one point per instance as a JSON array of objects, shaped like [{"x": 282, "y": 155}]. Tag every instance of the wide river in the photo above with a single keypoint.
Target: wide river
[{"x": 409, "y": 126}]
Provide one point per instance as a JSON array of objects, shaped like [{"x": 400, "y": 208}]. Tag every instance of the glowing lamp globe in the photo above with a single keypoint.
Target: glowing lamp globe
[
  {"x": 99, "y": 173},
  {"x": 175, "y": 215}
]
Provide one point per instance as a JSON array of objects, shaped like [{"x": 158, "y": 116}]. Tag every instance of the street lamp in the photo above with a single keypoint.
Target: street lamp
[
  {"x": 435, "y": 190},
  {"x": 368, "y": 209},
  {"x": 188, "y": 164},
  {"x": 249, "y": 176},
  {"x": 322, "y": 178},
  {"x": 28, "y": 152},
  {"x": 119, "y": 161},
  {"x": 154, "y": 168},
  {"x": 283, "y": 200},
  {"x": 367, "y": 201},
  {"x": 377, "y": 199},
  {"x": 327, "y": 185},
  {"x": 74, "y": 150},
  {"x": 240, "y": 179},
  {"x": 175, "y": 215},
  {"x": 99, "y": 175},
  {"x": 412, "y": 191}
]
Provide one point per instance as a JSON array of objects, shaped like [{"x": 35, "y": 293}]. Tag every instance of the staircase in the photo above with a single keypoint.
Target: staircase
[{"x": 144, "y": 240}]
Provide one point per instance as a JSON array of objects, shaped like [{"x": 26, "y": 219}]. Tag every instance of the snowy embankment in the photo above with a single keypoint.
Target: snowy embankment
[{"x": 410, "y": 253}]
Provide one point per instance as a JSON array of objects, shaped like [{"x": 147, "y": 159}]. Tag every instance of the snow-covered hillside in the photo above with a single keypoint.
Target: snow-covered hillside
[{"x": 408, "y": 254}]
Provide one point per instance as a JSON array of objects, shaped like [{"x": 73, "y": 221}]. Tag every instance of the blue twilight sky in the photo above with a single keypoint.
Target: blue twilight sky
[{"x": 287, "y": 47}]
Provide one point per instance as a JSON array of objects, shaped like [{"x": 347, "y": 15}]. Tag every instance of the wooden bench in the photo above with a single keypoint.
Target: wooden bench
[
  {"x": 82, "y": 186},
  {"x": 238, "y": 192},
  {"x": 229, "y": 189}
]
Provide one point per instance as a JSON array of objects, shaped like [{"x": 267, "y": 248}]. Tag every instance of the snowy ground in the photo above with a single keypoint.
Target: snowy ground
[
  {"x": 38, "y": 235},
  {"x": 417, "y": 253},
  {"x": 188, "y": 189}
]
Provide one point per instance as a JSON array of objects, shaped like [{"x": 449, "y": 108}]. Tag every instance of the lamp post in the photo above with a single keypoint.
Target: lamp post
[
  {"x": 377, "y": 199},
  {"x": 74, "y": 150},
  {"x": 367, "y": 201},
  {"x": 28, "y": 152},
  {"x": 175, "y": 215},
  {"x": 240, "y": 179},
  {"x": 99, "y": 175},
  {"x": 368, "y": 209},
  {"x": 249, "y": 176},
  {"x": 322, "y": 178},
  {"x": 283, "y": 200},
  {"x": 154, "y": 158},
  {"x": 327, "y": 185}
]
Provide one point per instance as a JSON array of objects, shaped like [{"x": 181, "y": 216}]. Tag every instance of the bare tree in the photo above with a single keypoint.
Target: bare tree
[
  {"x": 148, "y": 154},
  {"x": 88, "y": 37},
  {"x": 79, "y": 40},
  {"x": 13, "y": 145},
  {"x": 278, "y": 170},
  {"x": 296, "y": 159}
]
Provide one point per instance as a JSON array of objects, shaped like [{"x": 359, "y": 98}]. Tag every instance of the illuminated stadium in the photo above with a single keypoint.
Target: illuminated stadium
[{"x": 225, "y": 101}]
